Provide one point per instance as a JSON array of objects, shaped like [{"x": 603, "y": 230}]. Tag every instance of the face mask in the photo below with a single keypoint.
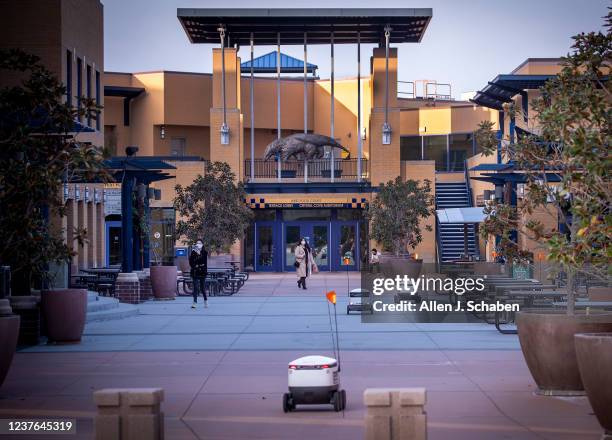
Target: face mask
[
  {"x": 303, "y": 242},
  {"x": 199, "y": 245}
]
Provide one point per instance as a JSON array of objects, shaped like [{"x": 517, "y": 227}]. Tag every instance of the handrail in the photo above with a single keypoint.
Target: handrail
[{"x": 344, "y": 169}]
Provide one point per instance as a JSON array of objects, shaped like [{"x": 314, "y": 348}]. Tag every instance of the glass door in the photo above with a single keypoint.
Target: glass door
[
  {"x": 265, "y": 244},
  {"x": 113, "y": 243},
  {"x": 317, "y": 237},
  {"x": 345, "y": 246}
]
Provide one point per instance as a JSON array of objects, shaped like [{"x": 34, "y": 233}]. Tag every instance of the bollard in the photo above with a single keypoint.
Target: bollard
[
  {"x": 129, "y": 414},
  {"x": 395, "y": 414}
]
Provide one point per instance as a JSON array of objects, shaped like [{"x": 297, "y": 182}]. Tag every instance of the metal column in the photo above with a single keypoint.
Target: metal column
[
  {"x": 359, "y": 140},
  {"x": 278, "y": 102},
  {"x": 386, "y": 128},
  {"x": 305, "y": 102},
  {"x": 224, "y": 127},
  {"x": 331, "y": 125},
  {"x": 252, "y": 110}
]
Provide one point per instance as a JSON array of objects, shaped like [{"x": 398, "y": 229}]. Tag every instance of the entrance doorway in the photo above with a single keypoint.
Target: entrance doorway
[
  {"x": 317, "y": 237},
  {"x": 113, "y": 243}
]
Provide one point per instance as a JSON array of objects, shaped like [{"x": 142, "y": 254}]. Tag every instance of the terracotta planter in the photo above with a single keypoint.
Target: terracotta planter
[
  {"x": 64, "y": 311},
  {"x": 594, "y": 352},
  {"x": 547, "y": 341},
  {"x": 600, "y": 293},
  {"x": 402, "y": 265},
  {"x": 163, "y": 281},
  {"x": 9, "y": 332}
]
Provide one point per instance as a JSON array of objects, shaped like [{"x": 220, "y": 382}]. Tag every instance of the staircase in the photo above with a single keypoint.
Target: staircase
[
  {"x": 450, "y": 235},
  {"x": 103, "y": 308}
]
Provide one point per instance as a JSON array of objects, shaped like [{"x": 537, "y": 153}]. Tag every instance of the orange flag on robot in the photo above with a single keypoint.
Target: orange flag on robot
[{"x": 331, "y": 296}]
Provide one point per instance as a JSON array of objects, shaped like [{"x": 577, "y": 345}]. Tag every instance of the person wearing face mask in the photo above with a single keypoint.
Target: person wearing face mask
[
  {"x": 198, "y": 260},
  {"x": 304, "y": 263}
]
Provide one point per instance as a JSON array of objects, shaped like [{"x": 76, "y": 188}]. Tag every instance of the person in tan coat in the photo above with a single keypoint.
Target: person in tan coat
[{"x": 304, "y": 263}]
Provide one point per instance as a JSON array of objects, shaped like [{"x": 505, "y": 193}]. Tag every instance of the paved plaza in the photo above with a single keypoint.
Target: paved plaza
[{"x": 224, "y": 369}]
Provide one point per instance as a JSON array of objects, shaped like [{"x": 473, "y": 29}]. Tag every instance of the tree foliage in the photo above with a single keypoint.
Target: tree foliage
[
  {"x": 212, "y": 208},
  {"x": 567, "y": 164},
  {"x": 38, "y": 153},
  {"x": 396, "y": 212}
]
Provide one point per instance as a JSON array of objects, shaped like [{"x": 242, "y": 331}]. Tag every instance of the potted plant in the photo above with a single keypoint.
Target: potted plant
[
  {"x": 212, "y": 208},
  {"x": 567, "y": 175},
  {"x": 395, "y": 217},
  {"x": 40, "y": 153}
]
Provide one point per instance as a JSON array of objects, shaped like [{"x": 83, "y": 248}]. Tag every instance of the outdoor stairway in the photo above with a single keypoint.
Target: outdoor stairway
[
  {"x": 103, "y": 308},
  {"x": 450, "y": 235}
]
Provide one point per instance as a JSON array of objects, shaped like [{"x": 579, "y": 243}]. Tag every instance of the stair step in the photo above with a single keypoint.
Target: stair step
[
  {"x": 102, "y": 303},
  {"x": 121, "y": 311}
]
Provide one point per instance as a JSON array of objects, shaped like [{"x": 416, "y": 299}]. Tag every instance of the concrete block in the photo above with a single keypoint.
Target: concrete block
[
  {"x": 395, "y": 414},
  {"x": 129, "y": 414}
]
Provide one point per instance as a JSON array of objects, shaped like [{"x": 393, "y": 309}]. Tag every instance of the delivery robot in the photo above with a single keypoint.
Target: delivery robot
[{"x": 314, "y": 380}]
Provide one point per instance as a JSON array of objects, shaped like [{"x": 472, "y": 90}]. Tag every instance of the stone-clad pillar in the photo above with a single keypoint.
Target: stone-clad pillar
[
  {"x": 92, "y": 230},
  {"x": 395, "y": 414},
  {"x": 384, "y": 159},
  {"x": 129, "y": 414}
]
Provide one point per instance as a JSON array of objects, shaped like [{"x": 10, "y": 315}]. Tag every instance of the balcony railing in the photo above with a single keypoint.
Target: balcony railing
[{"x": 320, "y": 170}]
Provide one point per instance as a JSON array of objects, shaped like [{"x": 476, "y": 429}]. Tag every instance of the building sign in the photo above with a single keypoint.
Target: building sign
[
  {"x": 112, "y": 199},
  {"x": 306, "y": 202}
]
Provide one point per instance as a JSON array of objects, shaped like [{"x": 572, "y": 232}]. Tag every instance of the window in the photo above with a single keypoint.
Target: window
[
  {"x": 161, "y": 239},
  {"x": 410, "y": 148},
  {"x": 79, "y": 90},
  {"x": 460, "y": 147},
  {"x": 177, "y": 146},
  {"x": 435, "y": 148},
  {"x": 98, "y": 100},
  {"x": 69, "y": 77},
  {"x": 88, "y": 91}
]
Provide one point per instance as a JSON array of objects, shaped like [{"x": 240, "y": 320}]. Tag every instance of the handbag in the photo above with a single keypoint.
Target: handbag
[{"x": 296, "y": 264}]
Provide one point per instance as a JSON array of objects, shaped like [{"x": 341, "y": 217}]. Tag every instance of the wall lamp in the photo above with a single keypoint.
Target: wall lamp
[
  {"x": 225, "y": 134},
  {"x": 386, "y": 134}
]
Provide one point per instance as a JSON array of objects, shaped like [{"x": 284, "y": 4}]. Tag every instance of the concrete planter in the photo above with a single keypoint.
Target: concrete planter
[
  {"x": 594, "y": 353},
  {"x": 64, "y": 311},
  {"x": 9, "y": 332},
  {"x": 163, "y": 281},
  {"x": 547, "y": 341},
  {"x": 392, "y": 265}
]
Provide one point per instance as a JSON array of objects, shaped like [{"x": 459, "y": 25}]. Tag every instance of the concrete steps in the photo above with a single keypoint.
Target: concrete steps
[{"x": 103, "y": 308}]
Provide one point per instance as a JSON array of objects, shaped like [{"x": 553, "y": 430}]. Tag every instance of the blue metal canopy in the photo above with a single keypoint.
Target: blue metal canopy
[
  {"x": 267, "y": 64},
  {"x": 504, "y": 87},
  {"x": 492, "y": 167}
]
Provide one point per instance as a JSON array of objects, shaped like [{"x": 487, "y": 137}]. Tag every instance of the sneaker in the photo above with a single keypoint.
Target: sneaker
[
  {"x": 193, "y": 306},
  {"x": 205, "y": 304}
]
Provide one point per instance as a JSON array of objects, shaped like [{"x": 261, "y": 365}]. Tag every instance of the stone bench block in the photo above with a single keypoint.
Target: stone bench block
[{"x": 395, "y": 413}]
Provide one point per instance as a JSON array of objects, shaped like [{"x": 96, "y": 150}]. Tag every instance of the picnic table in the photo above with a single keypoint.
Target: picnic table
[
  {"x": 585, "y": 303},
  {"x": 528, "y": 298}
]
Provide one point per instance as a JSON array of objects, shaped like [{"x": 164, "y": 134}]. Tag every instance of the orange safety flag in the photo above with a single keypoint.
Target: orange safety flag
[{"x": 331, "y": 296}]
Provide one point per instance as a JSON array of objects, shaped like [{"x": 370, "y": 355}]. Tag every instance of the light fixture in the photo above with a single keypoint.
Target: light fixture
[
  {"x": 225, "y": 134},
  {"x": 386, "y": 134},
  {"x": 364, "y": 135},
  {"x": 162, "y": 131}
]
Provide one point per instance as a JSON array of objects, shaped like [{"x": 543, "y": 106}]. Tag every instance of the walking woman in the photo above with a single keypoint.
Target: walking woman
[
  {"x": 198, "y": 260},
  {"x": 304, "y": 263}
]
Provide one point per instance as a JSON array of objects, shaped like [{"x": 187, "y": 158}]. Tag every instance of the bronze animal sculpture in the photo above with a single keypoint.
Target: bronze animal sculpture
[{"x": 302, "y": 146}]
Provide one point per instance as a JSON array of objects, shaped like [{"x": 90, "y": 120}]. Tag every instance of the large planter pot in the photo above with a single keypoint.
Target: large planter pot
[
  {"x": 163, "y": 281},
  {"x": 64, "y": 312},
  {"x": 547, "y": 341},
  {"x": 392, "y": 265},
  {"x": 9, "y": 332},
  {"x": 594, "y": 353}
]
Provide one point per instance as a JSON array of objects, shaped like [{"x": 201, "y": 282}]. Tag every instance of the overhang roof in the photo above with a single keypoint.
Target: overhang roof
[
  {"x": 121, "y": 91},
  {"x": 504, "y": 87},
  {"x": 267, "y": 64},
  {"x": 201, "y": 25}
]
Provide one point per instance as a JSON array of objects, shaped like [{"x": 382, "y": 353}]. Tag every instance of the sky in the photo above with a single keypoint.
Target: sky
[{"x": 467, "y": 43}]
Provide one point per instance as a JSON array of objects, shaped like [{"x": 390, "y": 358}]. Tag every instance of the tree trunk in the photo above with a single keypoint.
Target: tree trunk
[{"x": 21, "y": 283}]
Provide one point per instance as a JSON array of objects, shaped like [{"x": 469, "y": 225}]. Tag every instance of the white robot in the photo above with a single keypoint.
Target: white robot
[{"x": 314, "y": 380}]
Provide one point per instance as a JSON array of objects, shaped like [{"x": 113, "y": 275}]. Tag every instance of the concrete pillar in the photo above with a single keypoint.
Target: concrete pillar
[
  {"x": 384, "y": 159},
  {"x": 395, "y": 414},
  {"x": 100, "y": 229},
  {"x": 129, "y": 414},
  {"x": 92, "y": 231},
  {"x": 233, "y": 153}
]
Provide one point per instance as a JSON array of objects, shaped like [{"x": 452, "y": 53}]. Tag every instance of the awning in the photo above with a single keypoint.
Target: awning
[
  {"x": 492, "y": 167},
  {"x": 201, "y": 25},
  {"x": 504, "y": 87},
  {"x": 267, "y": 64},
  {"x": 461, "y": 215}
]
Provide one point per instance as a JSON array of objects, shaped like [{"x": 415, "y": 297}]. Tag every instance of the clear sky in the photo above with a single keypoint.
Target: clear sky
[{"x": 467, "y": 43}]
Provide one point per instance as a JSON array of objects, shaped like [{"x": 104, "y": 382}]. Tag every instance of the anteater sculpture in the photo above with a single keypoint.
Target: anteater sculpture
[{"x": 302, "y": 146}]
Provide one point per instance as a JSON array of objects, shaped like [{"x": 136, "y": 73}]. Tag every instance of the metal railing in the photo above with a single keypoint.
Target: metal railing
[{"x": 316, "y": 170}]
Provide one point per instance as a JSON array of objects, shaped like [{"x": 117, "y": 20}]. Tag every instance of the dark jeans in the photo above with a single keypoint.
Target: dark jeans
[{"x": 199, "y": 287}]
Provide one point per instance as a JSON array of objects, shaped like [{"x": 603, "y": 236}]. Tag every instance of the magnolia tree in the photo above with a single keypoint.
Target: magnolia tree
[
  {"x": 38, "y": 153},
  {"x": 396, "y": 213},
  {"x": 567, "y": 167},
  {"x": 212, "y": 208}
]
